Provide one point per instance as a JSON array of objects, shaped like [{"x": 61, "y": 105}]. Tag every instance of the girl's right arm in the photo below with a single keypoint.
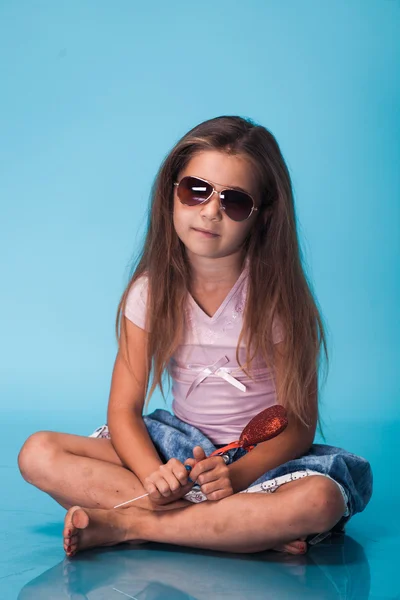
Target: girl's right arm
[{"x": 128, "y": 431}]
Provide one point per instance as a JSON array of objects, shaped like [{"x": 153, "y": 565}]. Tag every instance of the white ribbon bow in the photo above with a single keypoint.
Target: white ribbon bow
[{"x": 216, "y": 369}]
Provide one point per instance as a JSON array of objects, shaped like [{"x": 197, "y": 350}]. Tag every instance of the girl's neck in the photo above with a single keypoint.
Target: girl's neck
[{"x": 215, "y": 273}]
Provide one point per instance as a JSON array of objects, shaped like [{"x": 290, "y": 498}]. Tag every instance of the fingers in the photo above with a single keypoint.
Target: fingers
[
  {"x": 170, "y": 479},
  {"x": 212, "y": 474},
  {"x": 216, "y": 490},
  {"x": 215, "y": 465},
  {"x": 198, "y": 453},
  {"x": 173, "y": 481},
  {"x": 190, "y": 461}
]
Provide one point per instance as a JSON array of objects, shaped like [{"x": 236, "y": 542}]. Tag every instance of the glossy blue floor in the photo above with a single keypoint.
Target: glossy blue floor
[
  {"x": 361, "y": 564},
  {"x": 94, "y": 94}
]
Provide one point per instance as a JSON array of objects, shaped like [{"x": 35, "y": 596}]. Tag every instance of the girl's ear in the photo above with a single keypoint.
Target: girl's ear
[{"x": 266, "y": 214}]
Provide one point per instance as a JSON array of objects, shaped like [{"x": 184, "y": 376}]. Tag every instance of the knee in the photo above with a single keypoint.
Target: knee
[
  {"x": 327, "y": 503},
  {"x": 35, "y": 455}
]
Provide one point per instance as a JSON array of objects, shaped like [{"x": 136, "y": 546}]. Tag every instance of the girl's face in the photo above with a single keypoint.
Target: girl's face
[{"x": 222, "y": 171}]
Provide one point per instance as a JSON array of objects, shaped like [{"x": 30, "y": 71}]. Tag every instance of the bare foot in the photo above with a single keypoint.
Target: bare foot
[
  {"x": 92, "y": 527},
  {"x": 296, "y": 547}
]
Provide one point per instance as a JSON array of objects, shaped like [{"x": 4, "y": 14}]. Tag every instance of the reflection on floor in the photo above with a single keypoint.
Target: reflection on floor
[
  {"x": 360, "y": 564},
  {"x": 337, "y": 570}
]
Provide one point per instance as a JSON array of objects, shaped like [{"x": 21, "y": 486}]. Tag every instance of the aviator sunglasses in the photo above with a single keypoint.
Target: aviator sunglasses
[{"x": 193, "y": 191}]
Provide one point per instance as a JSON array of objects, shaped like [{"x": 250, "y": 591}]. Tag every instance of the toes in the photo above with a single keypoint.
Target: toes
[
  {"x": 286, "y": 548},
  {"x": 75, "y": 520},
  {"x": 68, "y": 525},
  {"x": 80, "y": 519},
  {"x": 71, "y": 541},
  {"x": 296, "y": 547},
  {"x": 299, "y": 545},
  {"x": 68, "y": 546},
  {"x": 71, "y": 550}
]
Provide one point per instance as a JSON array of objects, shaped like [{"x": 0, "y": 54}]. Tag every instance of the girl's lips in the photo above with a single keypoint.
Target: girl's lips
[{"x": 205, "y": 233}]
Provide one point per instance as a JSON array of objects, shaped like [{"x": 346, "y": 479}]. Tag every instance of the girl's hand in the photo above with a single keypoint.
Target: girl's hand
[
  {"x": 168, "y": 483},
  {"x": 212, "y": 474}
]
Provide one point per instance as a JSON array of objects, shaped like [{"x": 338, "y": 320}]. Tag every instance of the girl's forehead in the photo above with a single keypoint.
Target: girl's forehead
[{"x": 222, "y": 169}]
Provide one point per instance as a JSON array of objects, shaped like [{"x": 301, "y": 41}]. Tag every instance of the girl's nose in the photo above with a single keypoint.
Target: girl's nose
[{"x": 212, "y": 208}]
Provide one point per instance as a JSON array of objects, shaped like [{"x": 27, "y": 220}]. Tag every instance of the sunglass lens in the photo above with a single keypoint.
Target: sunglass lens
[
  {"x": 238, "y": 205},
  {"x": 192, "y": 191}
]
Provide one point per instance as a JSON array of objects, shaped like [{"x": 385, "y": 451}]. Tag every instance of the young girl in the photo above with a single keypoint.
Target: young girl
[{"x": 220, "y": 303}]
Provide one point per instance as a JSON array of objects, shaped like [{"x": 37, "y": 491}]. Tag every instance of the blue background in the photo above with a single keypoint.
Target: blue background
[{"x": 94, "y": 94}]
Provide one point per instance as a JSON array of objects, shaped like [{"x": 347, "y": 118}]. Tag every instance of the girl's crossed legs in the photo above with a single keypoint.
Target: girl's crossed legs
[{"x": 77, "y": 470}]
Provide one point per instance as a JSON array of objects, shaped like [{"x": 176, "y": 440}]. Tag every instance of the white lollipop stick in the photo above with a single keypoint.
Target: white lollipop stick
[{"x": 133, "y": 500}]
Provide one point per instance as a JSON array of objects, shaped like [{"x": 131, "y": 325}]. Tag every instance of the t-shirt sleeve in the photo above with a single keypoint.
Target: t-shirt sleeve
[
  {"x": 136, "y": 302},
  {"x": 277, "y": 330}
]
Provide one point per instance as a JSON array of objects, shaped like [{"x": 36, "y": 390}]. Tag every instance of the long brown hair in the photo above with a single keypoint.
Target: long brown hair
[{"x": 278, "y": 285}]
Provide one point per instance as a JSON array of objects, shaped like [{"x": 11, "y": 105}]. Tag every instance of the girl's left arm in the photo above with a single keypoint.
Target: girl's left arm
[{"x": 292, "y": 443}]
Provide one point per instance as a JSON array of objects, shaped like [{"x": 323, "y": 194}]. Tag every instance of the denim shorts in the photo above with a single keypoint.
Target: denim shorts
[{"x": 174, "y": 438}]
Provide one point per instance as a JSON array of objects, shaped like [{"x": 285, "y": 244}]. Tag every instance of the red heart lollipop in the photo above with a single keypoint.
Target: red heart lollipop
[{"x": 264, "y": 426}]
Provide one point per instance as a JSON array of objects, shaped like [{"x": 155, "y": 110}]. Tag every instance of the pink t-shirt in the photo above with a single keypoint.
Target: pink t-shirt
[{"x": 210, "y": 391}]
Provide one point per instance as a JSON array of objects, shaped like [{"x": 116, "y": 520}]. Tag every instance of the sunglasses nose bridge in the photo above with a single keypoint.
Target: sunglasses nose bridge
[
  {"x": 207, "y": 204},
  {"x": 219, "y": 194}
]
